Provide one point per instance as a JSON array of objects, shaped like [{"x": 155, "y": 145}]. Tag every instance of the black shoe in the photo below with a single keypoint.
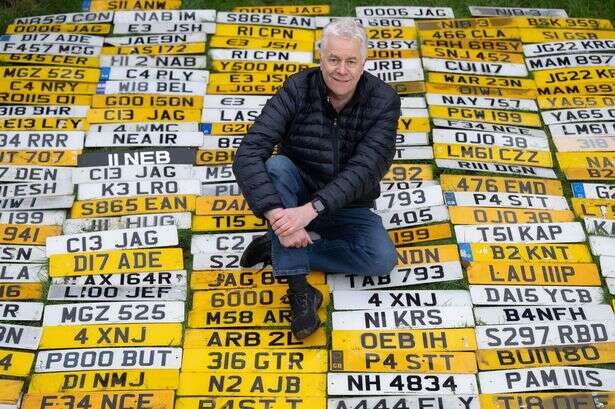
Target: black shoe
[
  {"x": 259, "y": 251},
  {"x": 304, "y": 311}
]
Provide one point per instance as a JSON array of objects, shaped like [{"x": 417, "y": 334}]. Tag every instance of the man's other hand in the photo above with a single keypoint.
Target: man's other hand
[
  {"x": 285, "y": 222},
  {"x": 300, "y": 238}
]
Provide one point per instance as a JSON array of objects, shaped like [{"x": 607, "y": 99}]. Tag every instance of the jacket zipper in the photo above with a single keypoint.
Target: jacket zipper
[{"x": 335, "y": 147}]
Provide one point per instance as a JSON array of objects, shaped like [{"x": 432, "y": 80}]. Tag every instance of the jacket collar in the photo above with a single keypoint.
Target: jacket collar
[{"x": 357, "y": 98}]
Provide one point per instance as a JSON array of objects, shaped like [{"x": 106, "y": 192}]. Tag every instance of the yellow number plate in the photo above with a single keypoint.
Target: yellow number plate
[
  {"x": 119, "y": 335},
  {"x": 580, "y": 101},
  {"x": 27, "y": 234},
  {"x": 571, "y": 253},
  {"x": 587, "y": 160},
  {"x": 480, "y": 91},
  {"x": 302, "y": 10},
  {"x": 374, "y": 54},
  {"x": 268, "y": 32},
  {"x": 110, "y": 115},
  {"x": 246, "y": 89},
  {"x": 451, "y": 339},
  {"x": 245, "y": 317},
  {"x": 506, "y": 46},
  {"x": 277, "y": 402},
  {"x": 248, "y": 338},
  {"x": 49, "y": 59},
  {"x": 515, "y": 156},
  {"x": 496, "y": 116},
  {"x": 471, "y": 183},
  {"x": 427, "y": 254},
  {"x": 237, "y": 222},
  {"x": 597, "y": 353},
  {"x": 491, "y": 215},
  {"x": 21, "y": 291},
  {"x": 602, "y": 208},
  {"x": 465, "y": 23},
  {"x": 98, "y": 28},
  {"x": 408, "y": 87},
  {"x": 229, "y": 128},
  {"x": 474, "y": 55},
  {"x": 480, "y": 80},
  {"x": 115, "y": 261},
  {"x": 50, "y": 73},
  {"x": 215, "y": 156},
  {"x": 564, "y": 76},
  {"x": 141, "y": 100},
  {"x": 82, "y": 381},
  {"x": 222, "y": 205},
  {"x": 15, "y": 363},
  {"x": 53, "y": 87},
  {"x": 540, "y": 35},
  {"x": 402, "y": 171},
  {"x": 10, "y": 391},
  {"x": 103, "y": 5},
  {"x": 579, "y": 88},
  {"x": 387, "y": 33},
  {"x": 546, "y": 400},
  {"x": 255, "y": 360},
  {"x": 354, "y": 360},
  {"x": 44, "y": 99},
  {"x": 42, "y": 158},
  {"x": 229, "y": 78},
  {"x": 403, "y": 237},
  {"x": 259, "y": 66},
  {"x": 485, "y": 33},
  {"x": 267, "y": 297},
  {"x": 100, "y": 400},
  {"x": 250, "y": 384},
  {"x": 563, "y": 23},
  {"x": 43, "y": 124},
  {"x": 259, "y": 43},
  {"x": 228, "y": 279},
  {"x": 607, "y": 174},
  {"x": 133, "y": 205},
  {"x": 407, "y": 124},
  {"x": 515, "y": 273},
  {"x": 156, "y": 49}
]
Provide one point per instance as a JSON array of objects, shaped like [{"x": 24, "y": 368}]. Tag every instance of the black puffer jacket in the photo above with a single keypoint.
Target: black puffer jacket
[{"x": 341, "y": 156}]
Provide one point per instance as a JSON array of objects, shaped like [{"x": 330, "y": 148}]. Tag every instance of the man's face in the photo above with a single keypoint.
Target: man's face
[{"x": 342, "y": 65}]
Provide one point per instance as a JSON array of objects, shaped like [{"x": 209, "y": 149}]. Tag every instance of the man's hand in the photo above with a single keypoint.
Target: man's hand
[
  {"x": 285, "y": 222},
  {"x": 300, "y": 238}
]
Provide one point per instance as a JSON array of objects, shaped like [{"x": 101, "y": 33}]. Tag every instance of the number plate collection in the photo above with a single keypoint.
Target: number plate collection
[{"x": 116, "y": 152}]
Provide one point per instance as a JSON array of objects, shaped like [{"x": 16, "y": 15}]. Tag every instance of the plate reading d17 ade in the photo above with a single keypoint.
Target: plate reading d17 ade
[
  {"x": 247, "y": 338},
  {"x": 538, "y": 314},
  {"x": 395, "y": 361},
  {"x": 548, "y": 334},
  {"x": 119, "y": 293},
  {"x": 149, "y": 312},
  {"x": 363, "y": 300},
  {"x": 255, "y": 360},
  {"x": 496, "y": 168},
  {"x": 99, "y": 400},
  {"x": 547, "y": 378},
  {"x": 104, "y": 380},
  {"x": 59, "y": 360},
  {"x": 146, "y": 237},
  {"x": 448, "y": 402},
  {"x": 404, "y": 318},
  {"x": 535, "y": 295},
  {"x": 353, "y": 384},
  {"x": 570, "y": 253},
  {"x": 507, "y": 272},
  {"x": 250, "y": 384},
  {"x": 400, "y": 276},
  {"x": 121, "y": 335},
  {"x": 116, "y": 261},
  {"x": 508, "y": 200},
  {"x": 571, "y": 232},
  {"x": 19, "y": 336}
]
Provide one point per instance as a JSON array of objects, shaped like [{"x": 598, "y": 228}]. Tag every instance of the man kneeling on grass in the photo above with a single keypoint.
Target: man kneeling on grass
[{"x": 335, "y": 128}]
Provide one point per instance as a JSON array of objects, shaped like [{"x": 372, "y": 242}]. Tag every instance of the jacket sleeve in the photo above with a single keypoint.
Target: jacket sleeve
[
  {"x": 257, "y": 146},
  {"x": 369, "y": 163}
]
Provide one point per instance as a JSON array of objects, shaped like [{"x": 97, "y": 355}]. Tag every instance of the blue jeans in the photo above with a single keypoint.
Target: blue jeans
[{"x": 353, "y": 240}]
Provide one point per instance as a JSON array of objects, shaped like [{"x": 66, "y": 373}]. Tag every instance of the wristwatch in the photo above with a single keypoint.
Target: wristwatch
[{"x": 318, "y": 206}]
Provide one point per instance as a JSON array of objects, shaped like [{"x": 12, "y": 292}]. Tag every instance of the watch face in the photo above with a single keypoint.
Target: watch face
[{"x": 318, "y": 206}]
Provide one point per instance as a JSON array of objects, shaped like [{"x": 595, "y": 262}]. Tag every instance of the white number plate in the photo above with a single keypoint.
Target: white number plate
[
  {"x": 569, "y": 61},
  {"x": 496, "y": 168},
  {"x": 474, "y": 67},
  {"x": 61, "y": 292},
  {"x": 145, "y": 237},
  {"x": 107, "y": 139},
  {"x": 570, "y": 232},
  {"x": 152, "y": 87},
  {"x": 20, "y": 336},
  {"x": 229, "y": 115},
  {"x": 114, "y": 313},
  {"x": 366, "y": 300},
  {"x": 220, "y": 189},
  {"x": 602, "y": 246},
  {"x": 127, "y": 173},
  {"x": 83, "y": 17},
  {"x": 21, "y": 311},
  {"x": 212, "y": 174},
  {"x": 406, "y": 318},
  {"x": 54, "y": 49},
  {"x": 88, "y": 191},
  {"x": 157, "y": 39},
  {"x": 22, "y": 254},
  {"x": 534, "y": 295},
  {"x": 583, "y": 129},
  {"x": 218, "y": 260},
  {"x": 516, "y": 11},
  {"x": 164, "y": 15},
  {"x": 405, "y": 12},
  {"x": 160, "y": 278},
  {"x": 226, "y": 242},
  {"x": 353, "y": 384},
  {"x": 448, "y": 402},
  {"x": 399, "y": 277},
  {"x": 88, "y": 359},
  {"x": 607, "y": 266},
  {"x": 407, "y": 69},
  {"x": 456, "y": 136},
  {"x": 45, "y": 217},
  {"x": 33, "y": 174},
  {"x": 404, "y": 199},
  {"x": 487, "y": 127},
  {"x": 539, "y": 314},
  {"x": 593, "y": 190},
  {"x": 23, "y": 273},
  {"x": 235, "y": 101},
  {"x": 261, "y": 55},
  {"x": 164, "y": 27},
  {"x": 178, "y": 61},
  {"x": 482, "y": 102},
  {"x": 52, "y": 111},
  {"x": 62, "y": 187},
  {"x": 156, "y": 74},
  {"x": 547, "y": 378},
  {"x": 567, "y": 47},
  {"x": 39, "y": 140},
  {"x": 562, "y": 116},
  {"x": 488, "y": 199},
  {"x": 392, "y": 219}
]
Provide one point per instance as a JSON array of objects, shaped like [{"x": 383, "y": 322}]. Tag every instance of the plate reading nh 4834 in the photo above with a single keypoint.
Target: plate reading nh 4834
[
  {"x": 104, "y": 358},
  {"x": 343, "y": 384}
]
